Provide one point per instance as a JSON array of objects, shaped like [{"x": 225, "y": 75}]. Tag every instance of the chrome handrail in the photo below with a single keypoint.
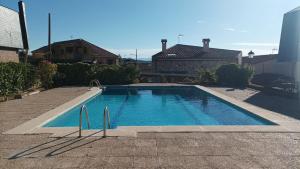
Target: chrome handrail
[
  {"x": 83, "y": 108},
  {"x": 106, "y": 118},
  {"x": 97, "y": 84}
]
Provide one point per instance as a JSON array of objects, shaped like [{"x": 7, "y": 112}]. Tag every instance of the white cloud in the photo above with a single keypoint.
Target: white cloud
[
  {"x": 257, "y": 47},
  {"x": 257, "y": 51},
  {"x": 256, "y": 44},
  {"x": 230, "y": 29}
]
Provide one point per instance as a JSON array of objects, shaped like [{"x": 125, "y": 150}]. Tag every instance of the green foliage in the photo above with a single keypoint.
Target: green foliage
[
  {"x": 47, "y": 71},
  {"x": 207, "y": 77},
  {"x": 31, "y": 77},
  {"x": 73, "y": 74},
  {"x": 15, "y": 77},
  {"x": 82, "y": 74},
  {"x": 234, "y": 75}
]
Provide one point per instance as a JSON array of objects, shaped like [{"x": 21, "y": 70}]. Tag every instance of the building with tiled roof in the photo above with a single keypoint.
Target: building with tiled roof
[
  {"x": 188, "y": 60},
  {"x": 13, "y": 36},
  {"x": 76, "y": 50}
]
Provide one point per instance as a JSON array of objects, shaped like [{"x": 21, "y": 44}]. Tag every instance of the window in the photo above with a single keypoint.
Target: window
[
  {"x": 69, "y": 49},
  {"x": 62, "y": 51},
  {"x": 85, "y": 50}
]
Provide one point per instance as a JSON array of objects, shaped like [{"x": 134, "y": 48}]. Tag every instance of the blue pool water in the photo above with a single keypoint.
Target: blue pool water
[{"x": 158, "y": 106}]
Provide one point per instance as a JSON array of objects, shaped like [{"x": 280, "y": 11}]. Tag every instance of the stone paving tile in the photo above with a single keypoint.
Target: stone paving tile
[
  {"x": 146, "y": 162},
  {"x": 221, "y": 162},
  {"x": 145, "y": 143},
  {"x": 183, "y": 162},
  {"x": 119, "y": 162}
]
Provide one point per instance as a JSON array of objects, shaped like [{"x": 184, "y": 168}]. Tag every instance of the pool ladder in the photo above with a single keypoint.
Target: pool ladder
[
  {"x": 95, "y": 81},
  {"x": 106, "y": 119},
  {"x": 83, "y": 108}
]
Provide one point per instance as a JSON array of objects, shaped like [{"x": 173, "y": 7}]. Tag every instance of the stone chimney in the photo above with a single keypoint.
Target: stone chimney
[
  {"x": 164, "y": 45},
  {"x": 206, "y": 44}
]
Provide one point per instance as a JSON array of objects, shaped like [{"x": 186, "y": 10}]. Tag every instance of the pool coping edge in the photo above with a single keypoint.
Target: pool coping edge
[{"x": 34, "y": 126}]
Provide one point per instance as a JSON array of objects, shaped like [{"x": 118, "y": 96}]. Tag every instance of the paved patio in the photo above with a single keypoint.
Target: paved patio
[{"x": 148, "y": 150}]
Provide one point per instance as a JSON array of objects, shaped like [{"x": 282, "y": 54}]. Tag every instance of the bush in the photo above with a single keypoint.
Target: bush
[
  {"x": 234, "y": 75},
  {"x": 82, "y": 74},
  {"x": 16, "y": 77},
  {"x": 31, "y": 77},
  {"x": 207, "y": 77},
  {"x": 46, "y": 73},
  {"x": 73, "y": 74}
]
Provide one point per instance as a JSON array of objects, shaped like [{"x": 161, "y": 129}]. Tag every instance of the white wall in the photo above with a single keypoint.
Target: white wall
[{"x": 290, "y": 69}]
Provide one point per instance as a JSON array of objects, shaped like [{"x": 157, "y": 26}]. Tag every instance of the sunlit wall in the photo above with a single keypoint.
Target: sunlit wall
[{"x": 289, "y": 50}]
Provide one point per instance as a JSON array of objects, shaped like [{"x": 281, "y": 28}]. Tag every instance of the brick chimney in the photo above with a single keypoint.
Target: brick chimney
[
  {"x": 206, "y": 44},
  {"x": 164, "y": 45}
]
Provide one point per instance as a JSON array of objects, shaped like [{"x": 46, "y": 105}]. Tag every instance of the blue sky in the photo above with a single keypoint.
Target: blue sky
[{"x": 121, "y": 26}]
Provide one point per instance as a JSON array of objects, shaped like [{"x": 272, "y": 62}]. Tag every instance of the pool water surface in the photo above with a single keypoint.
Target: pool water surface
[{"x": 158, "y": 106}]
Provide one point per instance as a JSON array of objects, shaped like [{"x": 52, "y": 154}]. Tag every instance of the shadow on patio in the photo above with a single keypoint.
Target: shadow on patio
[
  {"x": 57, "y": 146},
  {"x": 282, "y": 105}
]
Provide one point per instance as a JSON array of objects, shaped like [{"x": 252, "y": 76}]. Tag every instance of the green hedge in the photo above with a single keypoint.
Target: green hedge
[
  {"x": 234, "y": 75},
  {"x": 82, "y": 74},
  {"x": 16, "y": 77},
  {"x": 47, "y": 72},
  {"x": 207, "y": 77}
]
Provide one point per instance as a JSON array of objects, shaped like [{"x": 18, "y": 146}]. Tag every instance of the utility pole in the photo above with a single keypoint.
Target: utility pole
[
  {"x": 136, "y": 55},
  {"x": 49, "y": 37}
]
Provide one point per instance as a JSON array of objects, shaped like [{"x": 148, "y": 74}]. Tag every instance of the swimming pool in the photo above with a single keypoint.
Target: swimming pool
[{"x": 158, "y": 106}]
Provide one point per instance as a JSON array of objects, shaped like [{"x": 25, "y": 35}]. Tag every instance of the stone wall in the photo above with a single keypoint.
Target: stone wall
[
  {"x": 9, "y": 56},
  {"x": 188, "y": 66}
]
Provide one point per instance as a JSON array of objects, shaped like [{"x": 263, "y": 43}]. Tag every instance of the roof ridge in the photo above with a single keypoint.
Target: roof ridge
[{"x": 9, "y": 8}]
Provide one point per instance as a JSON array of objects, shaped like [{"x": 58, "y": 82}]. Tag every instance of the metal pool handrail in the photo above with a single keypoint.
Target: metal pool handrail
[
  {"x": 97, "y": 84},
  {"x": 83, "y": 108},
  {"x": 106, "y": 119}
]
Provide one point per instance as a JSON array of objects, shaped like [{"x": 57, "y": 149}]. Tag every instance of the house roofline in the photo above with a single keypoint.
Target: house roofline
[{"x": 9, "y": 8}]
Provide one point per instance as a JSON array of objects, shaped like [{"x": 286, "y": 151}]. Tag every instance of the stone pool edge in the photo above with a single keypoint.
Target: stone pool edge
[
  {"x": 30, "y": 126},
  {"x": 34, "y": 126}
]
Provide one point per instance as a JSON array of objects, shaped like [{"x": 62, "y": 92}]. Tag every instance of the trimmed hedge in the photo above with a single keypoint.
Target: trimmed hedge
[
  {"x": 47, "y": 71},
  {"x": 234, "y": 75},
  {"x": 82, "y": 74},
  {"x": 16, "y": 77}
]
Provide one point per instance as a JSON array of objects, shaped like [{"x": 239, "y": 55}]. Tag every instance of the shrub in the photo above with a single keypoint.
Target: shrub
[
  {"x": 73, "y": 74},
  {"x": 207, "y": 77},
  {"x": 31, "y": 77},
  {"x": 46, "y": 73},
  {"x": 15, "y": 77},
  {"x": 82, "y": 74},
  {"x": 234, "y": 75}
]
